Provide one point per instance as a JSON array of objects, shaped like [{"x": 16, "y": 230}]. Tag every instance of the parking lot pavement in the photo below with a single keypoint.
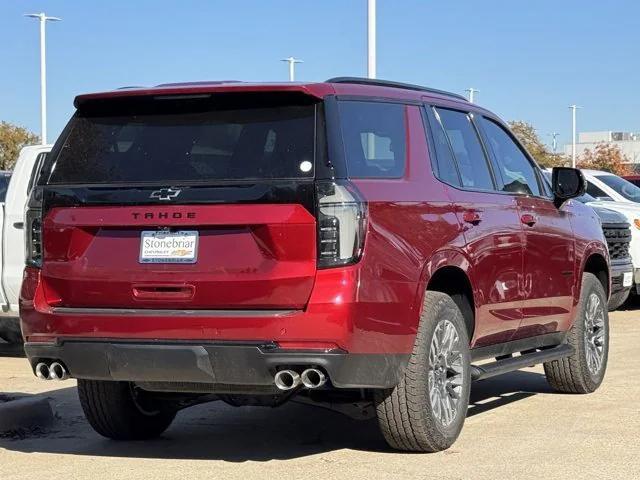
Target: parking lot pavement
[{"x": 516, "y": 428}]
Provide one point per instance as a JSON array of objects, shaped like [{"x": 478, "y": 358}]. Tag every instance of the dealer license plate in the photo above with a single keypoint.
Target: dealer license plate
[{"x": 168, "y": 247}]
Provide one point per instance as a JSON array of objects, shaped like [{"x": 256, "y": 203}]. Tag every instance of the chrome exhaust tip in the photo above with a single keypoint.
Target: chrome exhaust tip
[
  {"x": 286, "y": 379},
  {"x": 42, "y": 371},
  {"x": 58, "y": 372},
  {"x": 313, "y": 378}
]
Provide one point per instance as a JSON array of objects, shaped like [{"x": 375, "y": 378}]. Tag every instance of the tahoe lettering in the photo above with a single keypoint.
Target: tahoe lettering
[{"x": 163, "y": 215}]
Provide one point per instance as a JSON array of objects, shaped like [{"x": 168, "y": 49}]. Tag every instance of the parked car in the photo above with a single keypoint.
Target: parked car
[
  {"x": 617, "y": 231},
  {"x": 635, "y": 179},
  {"x": 620, "y": 240},
  {"x": 354, "y": 242},
  {"x": 12, "y": 254},
  {"x": 614, "y": 193},
  {"x": 5, "y": 176},
  {"x": 609, "y": 187}
]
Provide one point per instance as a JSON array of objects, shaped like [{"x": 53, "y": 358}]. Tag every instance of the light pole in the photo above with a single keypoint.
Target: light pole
[
  {"x": 554, "y": 141},
  {"x": 471, "y": 91},
  {"x": 573, "y": 108},
  {"x": 43, "y": 72},
  {"x": 292, "y": 67},
  {"x": 371, "y": 39}
]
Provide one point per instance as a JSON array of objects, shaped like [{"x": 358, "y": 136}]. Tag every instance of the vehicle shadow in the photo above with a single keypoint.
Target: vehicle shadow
[
  {"x": 216, "y": 431},
  {"x": 633, "y": 303},
  {"x": 11, "y": 349}
]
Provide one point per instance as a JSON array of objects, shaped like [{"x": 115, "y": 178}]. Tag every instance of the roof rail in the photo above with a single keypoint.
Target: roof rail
[{"x": 388, "y": 83}]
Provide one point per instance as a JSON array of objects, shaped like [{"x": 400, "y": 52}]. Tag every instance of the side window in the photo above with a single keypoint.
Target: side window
[
  {"x": 464, "y": 141},
  {"x": 518, "y": 173},
  {"x": 35, "y": 173},
  {"x": 374, "y": 136},
  {"x": 595, "y": 191},
  {"x": 446, "y": 164}
]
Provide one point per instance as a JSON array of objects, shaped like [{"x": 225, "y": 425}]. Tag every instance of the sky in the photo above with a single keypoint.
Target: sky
[{"x": 529, "y": 59}]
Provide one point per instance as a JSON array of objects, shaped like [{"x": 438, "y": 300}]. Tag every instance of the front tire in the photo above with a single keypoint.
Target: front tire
[
  {"x": 617, "y": 299},
  {"x": 117, "y": 410},
  {"x": 425, "y": 412},
  {"x": 584, "y": 370}
]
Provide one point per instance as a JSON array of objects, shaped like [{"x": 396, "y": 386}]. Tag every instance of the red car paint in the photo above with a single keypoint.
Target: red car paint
[{"x": 525, "y": 275}]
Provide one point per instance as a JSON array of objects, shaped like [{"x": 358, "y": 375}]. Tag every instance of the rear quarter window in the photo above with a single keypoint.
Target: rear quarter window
[{"x": 374, "y": 137}]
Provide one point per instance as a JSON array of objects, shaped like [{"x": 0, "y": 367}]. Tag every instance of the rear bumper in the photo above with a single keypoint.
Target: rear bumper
[
  {"x": 224, "y": 364},
  {"x": 340, "y": 315}
]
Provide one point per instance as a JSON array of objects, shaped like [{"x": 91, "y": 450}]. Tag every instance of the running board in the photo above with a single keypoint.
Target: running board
[{"x": 488, "y": 370}]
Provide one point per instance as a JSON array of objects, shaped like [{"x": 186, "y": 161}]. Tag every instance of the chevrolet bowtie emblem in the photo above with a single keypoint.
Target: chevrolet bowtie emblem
[{"x": 165, "y": 193}]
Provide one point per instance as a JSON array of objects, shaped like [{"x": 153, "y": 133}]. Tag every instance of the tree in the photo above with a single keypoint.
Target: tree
[
  {"x": 607, "y": 157},
  {"x": 538, "y": 150},
  {"x": 12, "y": 139}
]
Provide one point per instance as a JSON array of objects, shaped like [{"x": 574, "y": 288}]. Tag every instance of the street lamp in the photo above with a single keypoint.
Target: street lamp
[
  {"x": 471, "y": 91},
  {"x": 371, "y": 39},
  {"x": 43, "y": 72},
  {"x": 554, "y": 141},
  {"x": 292, "y": 67},
  {"x": 573, "y": 127}
]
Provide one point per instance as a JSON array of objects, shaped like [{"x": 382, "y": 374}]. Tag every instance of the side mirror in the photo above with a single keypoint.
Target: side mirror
[{"x": 567, "y": 183}]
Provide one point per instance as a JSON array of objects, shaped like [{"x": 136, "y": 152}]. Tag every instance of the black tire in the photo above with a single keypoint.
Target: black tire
[
  {"x": 10, "y": 330},
  {"x": 405, "y": 413},
  {"x": 572, "y": 374},
  {"x": 617, "y": 299},
  {"x": 114, "y": 412}
]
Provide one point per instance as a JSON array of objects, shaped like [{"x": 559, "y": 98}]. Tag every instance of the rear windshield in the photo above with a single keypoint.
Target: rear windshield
[{"x": 187, "y": 141}]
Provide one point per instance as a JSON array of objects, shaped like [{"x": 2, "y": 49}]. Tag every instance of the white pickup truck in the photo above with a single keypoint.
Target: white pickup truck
[{"x": 12, "y": 252}]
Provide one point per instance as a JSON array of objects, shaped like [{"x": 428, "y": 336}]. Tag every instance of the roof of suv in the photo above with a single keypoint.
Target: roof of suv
[{"x": 335, "y": 86}]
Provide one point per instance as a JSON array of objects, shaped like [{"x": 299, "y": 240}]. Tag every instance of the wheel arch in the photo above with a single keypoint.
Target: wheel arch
[
  {"x": 450, "y": 272},
  {"x": 596, "y": 262}
]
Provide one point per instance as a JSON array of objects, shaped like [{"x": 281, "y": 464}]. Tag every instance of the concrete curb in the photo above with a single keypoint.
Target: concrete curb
[{"x": 25, "y": 413}]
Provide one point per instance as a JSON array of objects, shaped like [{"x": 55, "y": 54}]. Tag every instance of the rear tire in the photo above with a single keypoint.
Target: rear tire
[
  {"x": 425, "y": 412},
  {"x": 116, "y": 411},
  {"x": 10, "y": 330},
  {"x": 617, "y": 299},
  {"x": 584, "y": 370}
]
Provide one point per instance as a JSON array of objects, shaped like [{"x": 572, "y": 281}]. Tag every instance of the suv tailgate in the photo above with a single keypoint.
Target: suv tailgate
[{"x": 248, "y": 256}]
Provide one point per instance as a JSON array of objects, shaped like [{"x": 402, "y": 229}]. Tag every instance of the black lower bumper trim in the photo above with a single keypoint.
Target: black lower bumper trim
[
  {"x": 618, "y": 269},
  {"x": 246, "y": 365}
]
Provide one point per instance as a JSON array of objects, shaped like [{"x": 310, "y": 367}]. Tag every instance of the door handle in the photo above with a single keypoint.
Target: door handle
[
  {"x": 18, "y": 225},
  {"x": 528, "y": 219},
  {"x": 471, "y": 216}
]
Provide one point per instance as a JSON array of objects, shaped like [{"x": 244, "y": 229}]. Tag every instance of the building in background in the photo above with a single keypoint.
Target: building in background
[{"x": 628, "y": 142}]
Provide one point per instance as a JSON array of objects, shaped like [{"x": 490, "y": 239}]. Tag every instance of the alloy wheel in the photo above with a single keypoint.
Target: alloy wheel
[
  {"x": 446, "y": 372},
  {"x": 594, "y": 334}
]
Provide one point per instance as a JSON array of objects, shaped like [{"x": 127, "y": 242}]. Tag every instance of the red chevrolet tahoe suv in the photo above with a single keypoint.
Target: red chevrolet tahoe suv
[{"x": 355, "y": 243}]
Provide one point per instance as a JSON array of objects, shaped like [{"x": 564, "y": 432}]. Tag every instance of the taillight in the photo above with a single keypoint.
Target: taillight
[
  {"x": 342, "y": 224},
  {"x": 33, "y": 237},
  {"x": 33, "y": 229}
]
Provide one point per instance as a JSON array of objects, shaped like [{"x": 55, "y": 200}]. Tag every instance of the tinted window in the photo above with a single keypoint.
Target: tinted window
[
  {"x": 447, "y": 170},
  {"x": 518, "y": 174},
  {"x": 4, "y": 184},
  {"x": 188, "y": 141},
  {"x": 624, "y": 187},
  {"x": 35, "y": 173},
  {"x": 374, "y": 136},
  {"x": 596, "y": 192},
  {"x": 462, "y": 135}
]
